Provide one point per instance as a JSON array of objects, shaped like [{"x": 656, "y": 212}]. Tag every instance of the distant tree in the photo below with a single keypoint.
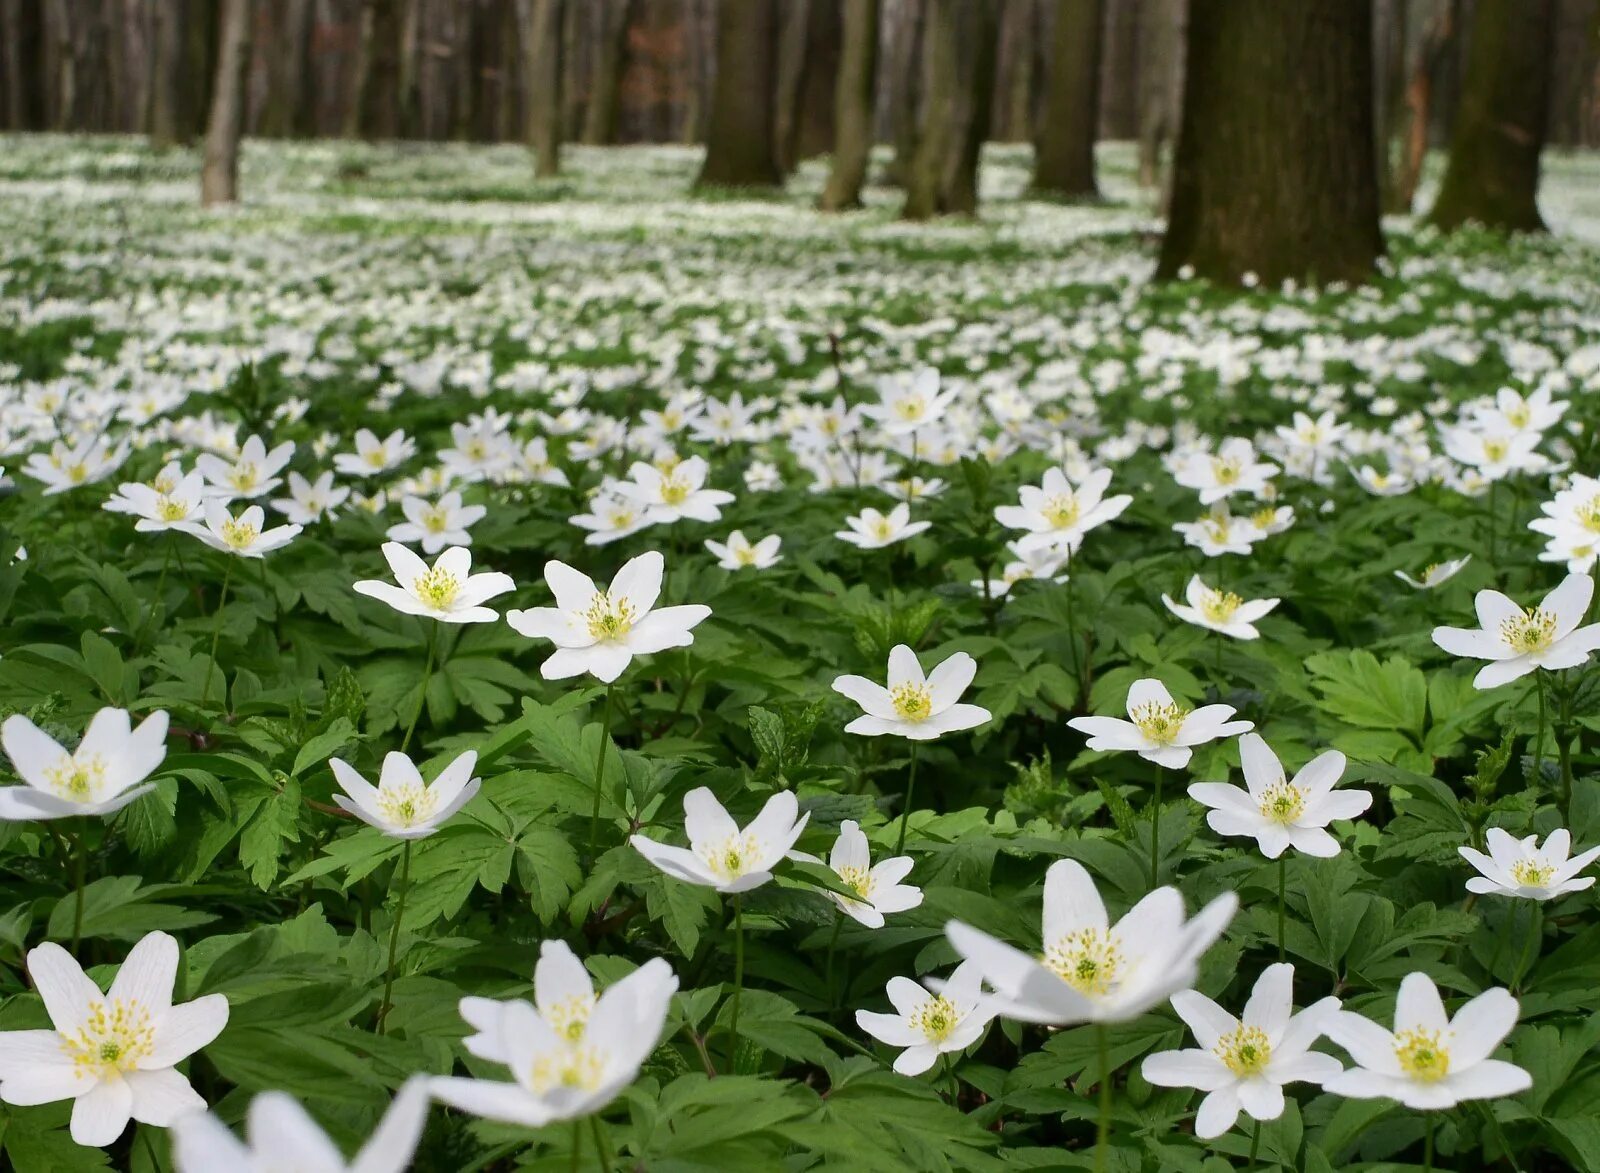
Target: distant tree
[
  {"x": 740, "y": 146},
  {"x": 1064, "y": 165},
  {"x": 1276, "y": 171},
  {"x": 961, "y": 41},
  {"x": 375, "y": 113},
  {"x": 1493, "y": 174},
  {"x": 1427, "y": 30},
  {"x": 1160, "y": 83},
  {"x": 544, "y": 71},
  {"x": 219, "y": 174},
  {"x": 808, "y": 70},
  {"x": 906, "y": 78},
  {"x": 853, "y": 102},
  {"x": 605, "y": 85}
]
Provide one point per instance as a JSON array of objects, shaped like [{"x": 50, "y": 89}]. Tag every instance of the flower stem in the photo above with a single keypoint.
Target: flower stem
[
  {"x": 600, "y": 773},
  {"x": 601, "y": 1148},
  {"x": 1255, "y": 1146},
  {"x": 64, "y": 851},
  {"x": 1102, "y": 1132},
  {"x": 394, "y": 935},
  {"x": 1538, "y": 743},
  {"x": 833, "y": 942},
  {"x": 905, "y": 813},
  {"x": 738, "y": 984},
  {"x": 161, "y": 583},
  {"x": 577, "y": 1145},
  {"x": 1155, "y": 832},
  {"x": 1283, "y": 870},
  {"x": 216, "y": 633},
  {"x": 1427, "y": 1145},
  {"x": 422, "y": 696}
]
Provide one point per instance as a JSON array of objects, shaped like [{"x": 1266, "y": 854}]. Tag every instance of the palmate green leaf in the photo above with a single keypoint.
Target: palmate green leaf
[
  {"x": 272, "y": 826},
  {"x": 1358, "y": 689},
  {"x": 123, "y": 908},
  {"x": 447, "y": 866}
]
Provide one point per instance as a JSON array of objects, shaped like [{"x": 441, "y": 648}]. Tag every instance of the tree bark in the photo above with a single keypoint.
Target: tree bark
[
  {"x": 1493, "y": 174},
  {"x": 162, "y": 118},
  {"x": 1160, "y": 83},
  {"x": 25, "y": 79},
  {"x": 853, "y": 99},
  {"x": 1020, "y": 52},
  {"x": 906, "y": 87},
  {"x": 1276, "y": 174},
  {"x": 794, "y": 20},
  {"x": 1067, "y": 131},
  {"x": 219, "y": 176},
  {"x": 961, "y": 41},
  {"x": 376, "y": 111},
  {"x": 600, "y": 119},
  {"x": 1430, "y": 38},
  {"x": 740, "y": 151},
  {"x": 544, "y": 86}
]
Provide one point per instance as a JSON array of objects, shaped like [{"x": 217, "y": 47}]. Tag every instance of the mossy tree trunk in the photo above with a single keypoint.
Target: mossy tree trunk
[
  {"x": 1276, "y": 173},
  {"x": 853, "y": 98},
  {"x": 544, "y": 67},
  {"x": 740, "y": 146},
  {"x": 219, "y": 175},
  {"x": 961, "y": 41},
  {"x": 1493, "y": 175},
  {"x": 600, "y": 118},
  {"x": 1064, "y": 164}
]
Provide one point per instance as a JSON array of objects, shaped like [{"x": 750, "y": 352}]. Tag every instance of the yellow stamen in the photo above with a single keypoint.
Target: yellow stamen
[
  {"x": 1422, "y": 1055},
  {"x": 1088, "y": 960},
  {"x": 1246, "y": 1051}
]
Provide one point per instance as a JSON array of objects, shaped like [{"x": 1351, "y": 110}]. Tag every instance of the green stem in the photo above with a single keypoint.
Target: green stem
[
  {"x": 600, "y": 773},
  {"x": 1564, "y": 737},
  {"x": 1427, "y": 1145},
  {"x": 1500, "y": 1137},
  {"x": 1538, "y": 744},
  {"x": 216, "y": 634},
  {"x": 161, "y": 583},
  {"x": 577, "y": 1145},
  {"x": 827, "y": 977},
  {"x": 1255, "y": 1146},
  {"x": 738, "y": 984},
  {"x": 1494, "y": 501},
  {"x": 394, "y": 936},
  {"x": 1155, "y": 832},
  {"x": 1102, "y": 1132},
  {"x": 905, "y": 814},
  {"x": 1283, "y": 870},
  {"x": 422, "y": 696},
  {"x": 601, "y": 1147}
]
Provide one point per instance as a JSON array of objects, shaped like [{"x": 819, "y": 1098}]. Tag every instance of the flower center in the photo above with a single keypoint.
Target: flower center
[
  {"x": 240, "y": 535},
  {"x": 910, "y": 407},
  {"x": 1061, "y": 511},
  {"x": 858, "y": 880},
  {"x": 1262, "y": 518},
  {"x": 580, "y": 1068},
  {"x": 164, "y": 484},
  {"x": 1532, "y": 631},
  {"x": 733, "y": 857},
  {"x": 1219, "y": 606},
  {"x": 435, "y": 519},
  {"x": 674, "y": 491},
  {"x": 745, "y": 556},
  {"x": 610, "y": 619},
  {"x": 913, "y": 702},
  {"x": 1495, "y": 450},
  {"x": 1422, "y": 1055},
  {"x": 935, "y": 1018},
  {"x": 1226, "y": 470},
  {"x": 1160, "y": 724},
  {"x": 1588, "y": 514},
  {"x": 377, "y": 458},
  {"x": 406, "y": 804},
  {"x": 1283, "y": 803},
  {"x": 1519, "y": 416},
  {"x": 169, "y": 510},
  {"x": 1245, "y": 1051},
  {"x": 882, "y": 530},
  {"x": 1087, "y": 960},
  {"x": 1530, "y": 873},
  {"x": 77, "y": 780},
  {"x": 78, "y": 473},
  {"x": 112, "y": 1039},
  {"x": 244, "y": 476},
  {"x": 437, "y": 587},
  {"x": 570, "y": 1016}
]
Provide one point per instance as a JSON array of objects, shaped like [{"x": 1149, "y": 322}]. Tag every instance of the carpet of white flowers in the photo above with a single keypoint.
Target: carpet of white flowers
[{"x": 572, "y": 676}]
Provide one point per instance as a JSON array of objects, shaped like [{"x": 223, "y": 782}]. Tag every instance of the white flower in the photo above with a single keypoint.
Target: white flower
[
  {"x": 447, "y": 591},
  {"x": 563, "y": 995},
  {"x": 600, "y": 632},
  {"x": 565, "y": 1074},
  {"x": 1435, "y": 575},
  {"x": 1517, "y": 641},
  {"x": 372, "y": 456},
  {"x": 908, "y": 402},
  {"x": 739, "y": 552},
  {"x": 872, "y": 530},
  {"x": 1219, "y": 532},
  {"x": 914, "y": 706},
  {"x": 1243, "y": 1063},
  {"x": 1221, "y": 611},
  {"x": 311, "y": 501},
  {"x": 720, "y": 855},
  {"x": 402, "y": 804},
  {"x": 166, "y": 503},
  {"x": 1276, "y": 812},
  {"x": 1522, "y": 868},
  {"x": 67, "y": 466},
  {"x": 1041, "y": 563},
  {"x": 1158, "y": 728},
  {"x": 1233, "y": 468},
  {"x": 112, "y": 1053},
  {"x": 668, "y": 496},
  {"x": 1091, "y": 970},
  {"x": 1493, "y": 454},
  {"x": 253, "y": 473},
  {"x": 438, "y": 525},
  {"x": 1430, "y": 1060},
  {"x": 243, "y": 534},
  {"x": 877, "y": 887},
  {"x": 611, "y": 519},
  {"x": 1057, "y": 514},
  {"x": 1382, "y": 484},
  {"x": 280, "y": 1135},
  {"x": 100, "y": 777},
  {"x": 930, "y": 1024}
]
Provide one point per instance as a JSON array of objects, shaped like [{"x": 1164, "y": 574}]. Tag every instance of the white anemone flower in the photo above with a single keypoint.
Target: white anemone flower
[
  {"x": 251, "y": 473},
  {"x": 1517, "y": 641},
  {"x": 1277, "y": 812},
  {"x": 721, "y": 854},
  {"x": 438, "y": 524},
  {"x": 1430, "y": 1061},
  {"x": 100, "y": 777},
  {"x": 877, "y": 887},
  {"x": 1220, "y": 611},
  {"x": 113, "y": 1054},
  {"x": 280, "y": 1134},
  {"x": 168, "y": 502},
  {"x": 310, "y": 501},
  {"x": 1435, "y": 574},
  {"x": 1242, "y": 1063},
  {"x": 1522, "y": 868},
  {"x": 914, "y": 706},
  {"x": 873, "y": 530},
  {"x": 1159, "y": 729},
  {"x": 70, "y": 466},
  {"x": 402, "y": 805},
  {"x": 908, "y": 402},
  {"x": 1090, "y": 969},
  {"x": 242, "y": 534},
  {"x": 447, "y": 591},
  {"x": 1233, "y": 468},
  {"x": 373, "y": 456},
  {"x": 670, "y": 496},
  {"x": 739, "y": 552},
  {"x": 1056, "y": 513},
  {"x": 929, "y": 1024}
]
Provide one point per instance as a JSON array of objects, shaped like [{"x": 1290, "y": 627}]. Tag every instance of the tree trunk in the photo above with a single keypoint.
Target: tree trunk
[
  {"x": 544, "y": 86},
  {"x": 1065, "y": 165},
  {"x": 1276, "y": 174},
  {"x": 1430, "y": 38},
  {"x": 854, "y": 94},
  {"x": 23, "y": 34},
  {"x": 906, "y": 96},
  {"x": 600, "y": 119},
  {"x": 740, "y": 151},
  {"x": 1493, "y": 175},
  {"x": 162, "y": 117},
  {"x": 219, "y": 176},
  {"x": 1160, "y": 83},
  {"x": 793, "y": 22},
  {"x": 961, "y": 41},
  {"x": 376, "y": 112},
  {"x": 1020, "y": 49}
]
